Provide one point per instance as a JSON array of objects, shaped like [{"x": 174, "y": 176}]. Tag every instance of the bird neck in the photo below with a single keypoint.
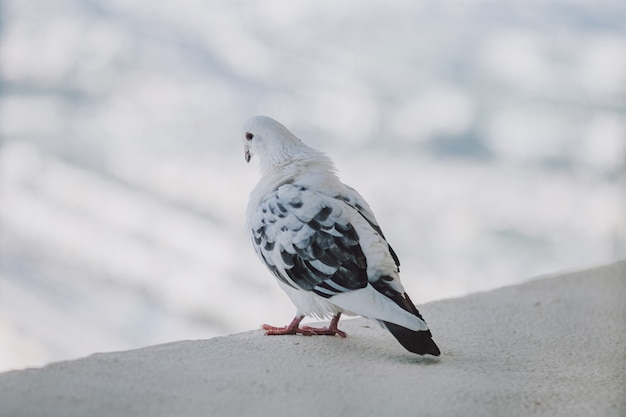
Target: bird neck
[{"x": 311, "y": 170}]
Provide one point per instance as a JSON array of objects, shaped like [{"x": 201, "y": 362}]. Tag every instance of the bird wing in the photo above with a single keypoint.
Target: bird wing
[
  {"x": 355, "y": 200},
  {"x": 328, "y": 245},
  {"x": 307, "y": 240}
]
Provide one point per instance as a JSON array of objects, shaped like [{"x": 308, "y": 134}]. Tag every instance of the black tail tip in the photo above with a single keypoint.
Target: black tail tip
[{"x": 420, "y": 342}]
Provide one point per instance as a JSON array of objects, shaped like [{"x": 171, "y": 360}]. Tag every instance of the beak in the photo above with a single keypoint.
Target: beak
[{"x": 247, "y": 155}]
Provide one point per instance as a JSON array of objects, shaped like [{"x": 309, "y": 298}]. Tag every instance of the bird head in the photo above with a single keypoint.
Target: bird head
[{"x": 272, "y": 142}]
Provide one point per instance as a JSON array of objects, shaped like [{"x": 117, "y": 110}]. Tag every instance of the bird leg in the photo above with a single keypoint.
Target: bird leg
[{"x": 293, "y": 328}]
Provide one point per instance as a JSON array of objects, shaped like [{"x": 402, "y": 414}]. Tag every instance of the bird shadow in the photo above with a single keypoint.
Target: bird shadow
[{"x": 415, "y": 359}]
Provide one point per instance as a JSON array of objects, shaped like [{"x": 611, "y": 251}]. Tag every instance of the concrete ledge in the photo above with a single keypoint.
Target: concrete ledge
[{"x": 554, "y": 346}]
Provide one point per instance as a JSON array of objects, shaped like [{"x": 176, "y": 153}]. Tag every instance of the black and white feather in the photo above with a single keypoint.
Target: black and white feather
[{"x": 321, "y": 240}]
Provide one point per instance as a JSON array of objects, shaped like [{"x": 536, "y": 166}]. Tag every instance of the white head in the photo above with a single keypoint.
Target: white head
[{"x": 273, "y": 143}]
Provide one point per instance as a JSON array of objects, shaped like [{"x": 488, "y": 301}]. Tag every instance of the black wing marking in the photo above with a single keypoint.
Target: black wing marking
[
  {"x": 358, "y": 203},
  {"x": 304, "y": 240}
]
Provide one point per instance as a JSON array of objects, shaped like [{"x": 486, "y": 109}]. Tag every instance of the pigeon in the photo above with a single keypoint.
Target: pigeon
[{"x": 321, "y": 241}]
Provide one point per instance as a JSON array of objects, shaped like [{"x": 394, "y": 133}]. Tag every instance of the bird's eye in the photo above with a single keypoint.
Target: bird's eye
[{"x": 249, "y": 136}]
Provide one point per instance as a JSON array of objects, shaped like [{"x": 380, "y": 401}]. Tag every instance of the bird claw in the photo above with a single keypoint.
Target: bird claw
[
  {"x": 324, "y": 331},
  {"x": 294, "y": 328},
  {"x": 285, "y": 330}
]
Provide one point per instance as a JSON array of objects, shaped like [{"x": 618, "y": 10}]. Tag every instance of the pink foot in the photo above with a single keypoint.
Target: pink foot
[
  {"x": 293, "y": 328},
  {"x": 285, "y": 330},
  {"x": 324, "y": 331}
]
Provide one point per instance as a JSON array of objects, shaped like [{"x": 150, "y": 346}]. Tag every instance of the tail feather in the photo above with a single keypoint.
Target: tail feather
[
  {"x": 393, "y": 310},
  {"x": 416, "y": 341},
  {"x": 420, "y": 341}
]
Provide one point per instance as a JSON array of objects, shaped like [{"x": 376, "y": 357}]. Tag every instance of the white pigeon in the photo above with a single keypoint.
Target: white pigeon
[{"x": 321, "y": 240}]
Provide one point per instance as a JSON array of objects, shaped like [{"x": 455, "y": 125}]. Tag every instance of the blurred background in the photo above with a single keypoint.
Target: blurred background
[{"x": 489, "y": 138}]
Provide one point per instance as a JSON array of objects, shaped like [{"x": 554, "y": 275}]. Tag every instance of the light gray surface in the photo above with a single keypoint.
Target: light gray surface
[{"x": 554, "y": 346}]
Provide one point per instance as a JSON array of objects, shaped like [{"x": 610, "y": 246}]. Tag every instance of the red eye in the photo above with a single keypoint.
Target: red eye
[{"x": 249, "y": 136}]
